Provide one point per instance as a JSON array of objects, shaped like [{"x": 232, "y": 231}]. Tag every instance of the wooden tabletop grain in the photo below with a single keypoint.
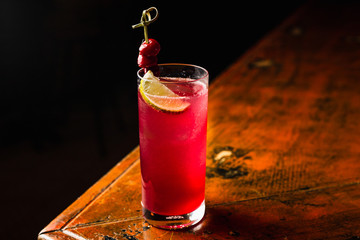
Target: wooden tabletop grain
[{"x": 283, "y": 157}]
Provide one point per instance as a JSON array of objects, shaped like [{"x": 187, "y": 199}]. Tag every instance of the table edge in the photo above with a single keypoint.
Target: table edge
[{"x": 90, "y": 195}]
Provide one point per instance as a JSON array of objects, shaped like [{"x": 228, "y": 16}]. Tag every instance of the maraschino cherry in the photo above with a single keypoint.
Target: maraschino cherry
[{"x": 150, "y": 48}]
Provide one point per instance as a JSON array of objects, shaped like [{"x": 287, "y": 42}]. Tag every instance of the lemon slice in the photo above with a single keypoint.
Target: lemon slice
[{"x": 159, "y": 96}]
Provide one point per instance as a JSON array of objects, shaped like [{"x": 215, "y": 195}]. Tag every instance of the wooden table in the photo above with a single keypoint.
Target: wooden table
[{"x": 283, "y": 156}]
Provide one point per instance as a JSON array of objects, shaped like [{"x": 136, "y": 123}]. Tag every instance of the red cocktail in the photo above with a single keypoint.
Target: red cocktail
[{"x": 172, "y": 127}]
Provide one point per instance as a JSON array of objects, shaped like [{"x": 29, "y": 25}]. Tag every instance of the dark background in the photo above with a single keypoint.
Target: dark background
[{"x": 68, "y": 102}]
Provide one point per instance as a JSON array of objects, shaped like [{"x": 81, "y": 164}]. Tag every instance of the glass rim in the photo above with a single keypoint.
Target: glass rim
[{"x": 206, "y": 73}]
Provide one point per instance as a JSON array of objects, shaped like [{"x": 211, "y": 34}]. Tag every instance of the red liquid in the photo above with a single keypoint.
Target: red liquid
[{"x": 173, "y": 152}]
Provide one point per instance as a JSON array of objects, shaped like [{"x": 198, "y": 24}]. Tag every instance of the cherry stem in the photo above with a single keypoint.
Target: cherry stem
[{"x": 145, "y": 21}]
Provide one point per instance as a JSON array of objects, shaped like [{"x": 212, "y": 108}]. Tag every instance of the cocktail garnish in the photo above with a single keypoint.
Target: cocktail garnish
[
  {"x": 160, "y": 97},
  {"x": 150, "y": 48}
]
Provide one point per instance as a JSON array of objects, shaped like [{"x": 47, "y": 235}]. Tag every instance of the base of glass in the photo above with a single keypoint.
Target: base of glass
[{"x": 174, "y": 221}]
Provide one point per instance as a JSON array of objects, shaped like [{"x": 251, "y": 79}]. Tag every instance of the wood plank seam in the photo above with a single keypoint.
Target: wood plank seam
[
  {"x": 300, "y": 190},
  {"x": 101, "y": 193},
  {"x": 104, "y": 189}
]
